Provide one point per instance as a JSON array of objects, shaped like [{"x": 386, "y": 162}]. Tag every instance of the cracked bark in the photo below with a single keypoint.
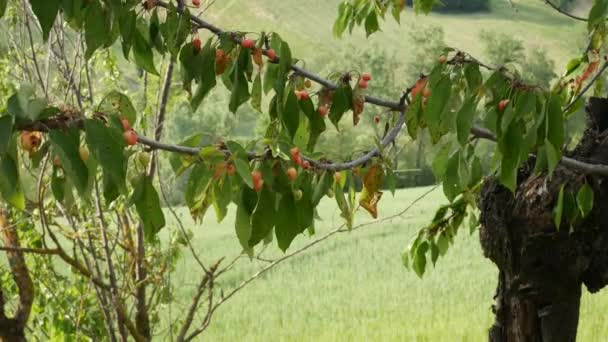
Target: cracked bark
[{"x": 542, "y": 269}]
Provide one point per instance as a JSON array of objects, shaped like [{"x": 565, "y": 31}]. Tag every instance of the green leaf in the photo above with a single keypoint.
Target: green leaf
[
  {"x": 371, "y": 23},
  {"x": 246, "y": 203},
  {"x": 196, "y": 188},
  {"x": 3, "y": 7},
  {"x": 242, "y": 168},
  {"x": 256, "y": 93},
  {"x": 510, "y": 144},
  {"x": 290, "y": 116},
  {"x": 413, "y": 116},
  {"x": 10, "y": 184},
  {"x": 437, "y": 104},
  {"x": 324, "y": 183},
  {"x": 473, "y": 76},
  {"x": 67, "y": 146},
  {"x": 464, "y": 120},
  {"x": 148, "y": 207},
  {"x": 46, "y": 12},
  {"x": 206, "y": 79},
  {"x": 240, "y": 86},
  {"x": 441, "y": 160},
  {"x": 553, "y": 156},
  {"x": 451, "y": 180},
  {"x": 107, "y": 146},
  {"x": 263, "y": 217},
  {"x": 559, "y": 208},
  {"x": 6, "y": 132},
  {"x": 58, "y": 185},
  {"x": 292, "y": 218},
  {"x": 222, "y": 196},
  {"x": 584, "y": 199},
  {"x": 555, "y": 122},
  {"x": 96, "y": 31},
  {"x": 419, "y": 262},
  {"x": 317, "y": 123},
  {"x": 597, "y": 14},
  {"x": 119, "y": 104},
  {"x": 24, "y": 106},
  {"x": 341, "y": 103},
  {"x": 142, "y": 52}
]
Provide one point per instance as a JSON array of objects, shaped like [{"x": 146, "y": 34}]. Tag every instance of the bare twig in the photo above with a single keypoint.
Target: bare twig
[{"x": 114, "y": 288}]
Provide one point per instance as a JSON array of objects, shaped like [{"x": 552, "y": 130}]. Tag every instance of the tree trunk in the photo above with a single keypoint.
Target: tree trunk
[{"x": 542, "y": 268}]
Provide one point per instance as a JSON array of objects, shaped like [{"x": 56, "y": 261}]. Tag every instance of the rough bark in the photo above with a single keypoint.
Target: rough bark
[
  {"x": 542, "y": 268},
  {"x": 12, "y": 329}
]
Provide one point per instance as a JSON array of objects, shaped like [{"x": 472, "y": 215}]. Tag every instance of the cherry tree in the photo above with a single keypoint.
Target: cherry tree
[{"x": 97, "y": 204}]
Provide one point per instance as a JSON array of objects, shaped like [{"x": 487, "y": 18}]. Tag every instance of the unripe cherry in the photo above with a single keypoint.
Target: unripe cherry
[
  {"x": 297, "y": 195},
  {"x": 84, "y": 153},
  {"x": 366, "y": 77},
  {"x": 308, "y": 83},
  {"x": 330, "y": 193},
  {"x": 130, "y": 137},
  {"x": 338, "y": 176},
  {"x": 292, "y": 174},
  {"x": 247, "y": 43}
]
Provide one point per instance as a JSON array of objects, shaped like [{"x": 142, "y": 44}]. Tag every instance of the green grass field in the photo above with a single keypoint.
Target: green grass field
[
  {"x": 353, "y": 287},
  {"x": 307, "y": 26}
]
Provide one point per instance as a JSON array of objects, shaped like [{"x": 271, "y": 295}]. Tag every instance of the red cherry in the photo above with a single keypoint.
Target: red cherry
[
  {"x": 197, "y": 44},
  {"x": 323, "y": 111},
  {"x": 256, "y": 176},
  {"x": 196, "y": 3},
  {"x": 426, "y": 92},
  {"x": 292, "y": 174},
  {"x": 363, "y": 84},
  {"x": 257, "y": 186},
  {"x": 503, "y": 104},
  {"x": 125, "y": 124},
  {"x": 130, "y": 137},
  {"x": 306, "y": 165},
  {"x": 247, "y": 43},
  {"x": 302, "y": 95},
  {"x": 366, "y": 77},
  {"x": 272, "y": 55},
  {"x": 295, "y": 152}
]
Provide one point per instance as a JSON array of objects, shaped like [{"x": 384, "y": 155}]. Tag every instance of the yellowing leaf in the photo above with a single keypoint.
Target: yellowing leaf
[{"x": 370, "y": 196}]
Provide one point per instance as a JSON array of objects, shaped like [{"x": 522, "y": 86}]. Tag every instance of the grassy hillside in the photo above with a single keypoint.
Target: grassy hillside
[
  {"x": 353, "y": 287},
  {"x": 307, "y": 26}
]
